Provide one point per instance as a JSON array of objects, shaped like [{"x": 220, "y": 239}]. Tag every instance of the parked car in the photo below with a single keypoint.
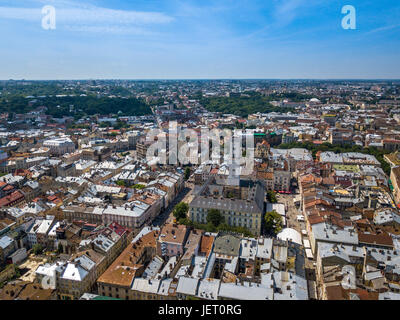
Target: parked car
[{"x": 300, "y": 218}]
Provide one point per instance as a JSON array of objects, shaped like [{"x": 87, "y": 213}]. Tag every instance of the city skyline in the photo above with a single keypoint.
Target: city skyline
[{"x": 199, "y": 190}]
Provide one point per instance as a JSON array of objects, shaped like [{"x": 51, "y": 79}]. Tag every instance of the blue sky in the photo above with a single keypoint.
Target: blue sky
[{"x": 186, "y": 39}]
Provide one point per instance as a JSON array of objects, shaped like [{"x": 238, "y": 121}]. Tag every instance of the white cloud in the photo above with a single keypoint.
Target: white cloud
[
  {"x": 286, "y": 11},
  {"x": 111, "y": 29},
  {"x": 384, "y": 28},
  {"x": 103, "y": 15},
  {"x": 77, "y": 17}
]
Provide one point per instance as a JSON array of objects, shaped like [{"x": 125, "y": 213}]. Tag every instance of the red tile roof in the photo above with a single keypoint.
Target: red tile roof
[{"x": 15, "y": 196}]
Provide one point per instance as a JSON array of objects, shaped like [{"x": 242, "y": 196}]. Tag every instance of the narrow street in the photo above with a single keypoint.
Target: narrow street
[
  {"x": 167, "y": 215},
  {"x": 291, "y": 220},
  {"x": 291, "y": 212}
]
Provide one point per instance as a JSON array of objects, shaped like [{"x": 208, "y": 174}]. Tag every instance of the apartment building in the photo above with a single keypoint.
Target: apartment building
[
  {"x": 59, "y": 146},
  {"x": 117, "y": 280},
  {"x": 241, "y": 206},
  {"x": 172, "y": 240}
]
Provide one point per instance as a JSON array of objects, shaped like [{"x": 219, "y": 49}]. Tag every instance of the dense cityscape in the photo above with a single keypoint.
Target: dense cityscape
[{"x": 89, "y": 212}]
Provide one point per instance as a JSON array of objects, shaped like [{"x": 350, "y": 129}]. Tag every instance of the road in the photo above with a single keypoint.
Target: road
[
  {"x": 291, "y": 220},
  {"x": 167, "y": 216},
  {"x": 291, "y": 212}
]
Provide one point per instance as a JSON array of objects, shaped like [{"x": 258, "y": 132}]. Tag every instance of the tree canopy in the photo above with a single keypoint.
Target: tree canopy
[
  {"x": 273, "y": 222},
  {"x": 187, "y": 173},
  {"x": 215, "y": 217},
  {"x": 209, "y": 227},
  {"x": 59, "y": 107},
  {"x": 181, "y": 210},
  {"x": 271, "y": 196},
  {"x": 37, "y": 249},
  {"x": 121, "y": 183},
  {"x": 242, "y": 105}
]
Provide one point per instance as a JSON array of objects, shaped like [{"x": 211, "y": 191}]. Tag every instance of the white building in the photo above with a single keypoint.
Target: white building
[
  {"x": 60, "y": 146},
  {"x": 32, "y": 239}
]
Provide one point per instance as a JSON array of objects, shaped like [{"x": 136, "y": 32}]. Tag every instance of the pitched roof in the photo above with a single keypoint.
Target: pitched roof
[{"x": 123, "y": 270}]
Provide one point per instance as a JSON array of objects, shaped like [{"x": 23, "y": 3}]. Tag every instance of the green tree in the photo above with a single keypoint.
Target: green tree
[
  {"x": 121, "y": 183},
  {"x": 224, "y": 227},
  {"x": 242, "y": 105},
  {"x": 120, "y": 125},
  {"x": 186, "y": 222},
  {"x": 187, "y": 173},
  {"x": 242, "y": 230},
  {"x": 37, "y": 249},
  {"x": 210, "y": 227},
  {"x": 17, "y": 272},
  {"x": 105, "y": 124},
  {"x": 230, "y": 195},
  {"x": 215, "y": 217},
  {"x": 273, "y": 222},
  {"x": 181, "y": 210},
  {"x": 271, "y": 196}
]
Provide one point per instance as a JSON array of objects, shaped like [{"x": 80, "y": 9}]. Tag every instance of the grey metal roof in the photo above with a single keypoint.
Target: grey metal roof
[
  {"x": 225, "y": 204},
  {"x": 227, "y": 245}
]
